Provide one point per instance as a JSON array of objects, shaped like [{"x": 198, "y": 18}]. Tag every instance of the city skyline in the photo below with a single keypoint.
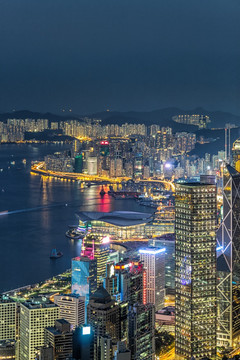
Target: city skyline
[{"x": 119, "y": 180}]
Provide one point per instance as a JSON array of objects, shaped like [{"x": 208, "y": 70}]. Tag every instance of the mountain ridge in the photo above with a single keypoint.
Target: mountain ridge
[{"x": 162, "y": 117}]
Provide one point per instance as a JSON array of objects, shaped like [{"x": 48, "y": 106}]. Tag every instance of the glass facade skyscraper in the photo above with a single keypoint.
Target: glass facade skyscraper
[
  {"x": 141, "y": 331},
  {"x": 84, "y": 277},
  {"x": 195, "y": 252},
  {"x": 97, "y": 247},
  {"x": 228, "y": 262}
]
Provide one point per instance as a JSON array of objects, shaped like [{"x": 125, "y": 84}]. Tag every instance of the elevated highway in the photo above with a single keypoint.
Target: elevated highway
[{"x": 38, "y": 168}]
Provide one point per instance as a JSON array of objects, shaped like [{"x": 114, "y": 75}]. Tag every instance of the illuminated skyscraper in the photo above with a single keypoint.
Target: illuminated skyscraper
[
  {"x": 72, "y": 308},
  {"x": 105, "y": 346},
  {"x": 8, "y": 318},
  {"x": 131, "y": 277},
  {"x": 228, "y": 263},
  {"x": 195, "y": 252},
  {"x": 141, "y": 332},
  {"x": 153, "y": 260},
  {"x": 104, "y": 316},
  {"x": 236, "y": 154},
  {"x": 95, "y": 247},
  {"x": 111, "y": 280},
  {"x": 167, "y": 241},
  {"x": 84, "y": 277},
  {"x": 59, "y": 337},
  {"x": 83, "y": 343},
  {"x": 35, "y": 316}
]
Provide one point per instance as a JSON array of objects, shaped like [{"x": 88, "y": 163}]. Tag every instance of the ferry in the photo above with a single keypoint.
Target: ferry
[
  {"x": 55, "y": 254},
  {"x": 75, "y": 234}
]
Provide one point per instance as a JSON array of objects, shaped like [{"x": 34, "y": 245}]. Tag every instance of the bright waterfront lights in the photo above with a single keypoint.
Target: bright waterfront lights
[{"x": 152, "y": 252}]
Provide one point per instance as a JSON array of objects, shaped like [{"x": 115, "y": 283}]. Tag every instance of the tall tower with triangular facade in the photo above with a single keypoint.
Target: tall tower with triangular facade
[{"x": 228, "y": 261}]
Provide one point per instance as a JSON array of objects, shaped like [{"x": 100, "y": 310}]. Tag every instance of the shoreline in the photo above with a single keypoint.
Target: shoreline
[{"x": 41, "y": 288}]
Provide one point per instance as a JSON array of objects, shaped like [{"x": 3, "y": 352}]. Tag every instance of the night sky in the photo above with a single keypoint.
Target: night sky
[{"x": 93, "y": 55}]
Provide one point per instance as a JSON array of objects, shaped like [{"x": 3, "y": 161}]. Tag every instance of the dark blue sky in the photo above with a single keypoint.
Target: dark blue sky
[{"x": 91, "y": 55}]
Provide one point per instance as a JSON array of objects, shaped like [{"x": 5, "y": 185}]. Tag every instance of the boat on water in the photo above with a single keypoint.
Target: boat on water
[
  {"x": 24, "y": 161},
  {"x": 102, "y": 192},
  {"x": 5, "y": 212},
  {"x": 55, "y": 254},
  {"x": 75, "y": 234}
]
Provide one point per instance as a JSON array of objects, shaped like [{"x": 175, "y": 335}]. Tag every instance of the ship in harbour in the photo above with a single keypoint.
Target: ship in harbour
[{"x": 55, "y": 254}]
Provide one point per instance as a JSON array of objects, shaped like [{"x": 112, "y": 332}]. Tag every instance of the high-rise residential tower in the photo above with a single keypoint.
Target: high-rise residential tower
[
  {"x": 228, "y": 262},
  {"x": 195, "y": 252}
]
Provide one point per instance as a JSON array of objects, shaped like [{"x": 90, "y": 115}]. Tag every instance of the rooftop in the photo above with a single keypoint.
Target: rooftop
[
  {"x": 117, "y": 218},
  {"x": 195, "y": 184},
  {"x": 101, "y": 296},
  {"x": 152, "y": 251},
  {"x": 38, "y": 303},
  {"x": 5, "y": 299}
]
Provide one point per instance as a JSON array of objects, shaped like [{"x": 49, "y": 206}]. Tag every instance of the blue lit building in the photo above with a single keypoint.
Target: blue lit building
[
  {"x": 83, "y": 343},
  {"x": 84, "y": 277}
]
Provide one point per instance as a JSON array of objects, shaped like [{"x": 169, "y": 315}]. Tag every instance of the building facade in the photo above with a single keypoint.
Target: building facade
[
  {"x": 60, "y": 338},
  {"x": 97, "y": 247},
  {"x": 104, "y": 316},
  {"x": 195, "y": 254},
  {"x": 228, "y": 262},
  {"x": 35, "y": 316},
  {"x": 8, "y": 318},
  {"x": 141, "y": 331},
  {"x": 153, "y": 260},
  {"x": 84, "y": 277},
  {"x": 71, "y": 308}
]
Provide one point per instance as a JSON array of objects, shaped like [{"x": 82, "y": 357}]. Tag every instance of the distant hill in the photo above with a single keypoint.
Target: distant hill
[
  {"x": 26, "y": 114},
  {"x": 162, "y": 117}
]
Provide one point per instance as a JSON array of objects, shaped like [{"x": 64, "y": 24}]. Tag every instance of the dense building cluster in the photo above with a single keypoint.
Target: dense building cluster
[
  {"x": 142, "y": 279},
  {"x": 128, "y": 150},
  {"x": 185, "y": 282}
]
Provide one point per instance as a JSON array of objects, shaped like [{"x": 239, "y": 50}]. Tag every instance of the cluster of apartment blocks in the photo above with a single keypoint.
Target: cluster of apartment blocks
[
  {"x": 14, "y": 130},
  {"x": 132, "y": 159}
]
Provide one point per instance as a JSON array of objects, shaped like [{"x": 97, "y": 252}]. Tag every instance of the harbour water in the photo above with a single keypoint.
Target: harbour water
[{"x": 27, "y": 236}]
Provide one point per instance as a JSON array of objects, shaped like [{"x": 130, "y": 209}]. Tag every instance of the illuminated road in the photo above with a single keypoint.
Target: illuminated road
[
  {"x": 170, "y": 355},
  {"x": 38, "y": 169}
]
